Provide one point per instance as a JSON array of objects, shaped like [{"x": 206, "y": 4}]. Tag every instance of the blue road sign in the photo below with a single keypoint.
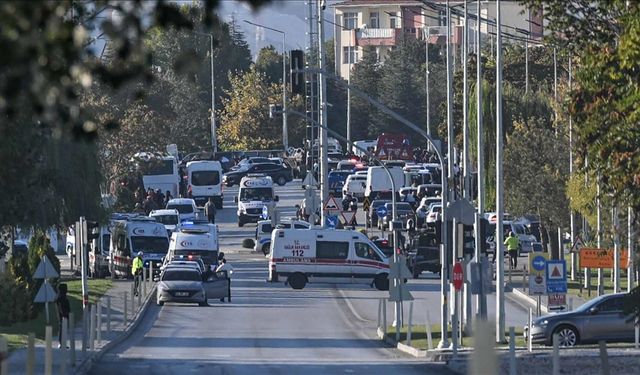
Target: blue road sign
[
  {"x": 539, "y": 263},
  {"x": 556, "y": 276},
  {"x": 331, "y": 221},
  {"x": 265, "y": 213},
  {"x": 381, "y": 211}
]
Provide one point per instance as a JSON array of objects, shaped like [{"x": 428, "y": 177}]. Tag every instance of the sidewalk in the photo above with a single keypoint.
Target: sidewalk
[{"x": 17, "y": 362}]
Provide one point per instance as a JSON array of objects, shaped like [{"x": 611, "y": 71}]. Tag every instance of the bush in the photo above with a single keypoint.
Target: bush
[
  {"x": 18, "y": 306},
  {"x": 248, "y": 243}
]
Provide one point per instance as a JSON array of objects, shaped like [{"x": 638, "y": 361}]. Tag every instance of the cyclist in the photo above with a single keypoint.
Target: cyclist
[{"x": 136, "y": 269}]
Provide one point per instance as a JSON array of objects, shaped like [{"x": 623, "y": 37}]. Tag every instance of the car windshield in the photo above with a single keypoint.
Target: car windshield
[
  {"x": 256, "y": 194},
  {"x": 181, "y": 275},
  {"x": 205, "y": 178},
  {"x": 167, "y": 219},
  {"x": 520, "y": 229},
  {"x": 154, "y": 245},
  {"x": 182, "y": 208}
]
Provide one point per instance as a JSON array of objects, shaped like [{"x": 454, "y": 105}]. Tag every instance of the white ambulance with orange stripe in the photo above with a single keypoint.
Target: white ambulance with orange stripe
[{"x": 299, "y": 257}]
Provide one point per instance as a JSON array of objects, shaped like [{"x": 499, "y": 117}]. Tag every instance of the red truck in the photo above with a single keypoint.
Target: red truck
[{"x": 393, "y": 147}]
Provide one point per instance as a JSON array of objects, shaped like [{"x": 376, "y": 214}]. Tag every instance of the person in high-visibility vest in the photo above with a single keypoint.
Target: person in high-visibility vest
[
  {"x": 513, "y": 243},
  {"x": 136, "y": 269}
]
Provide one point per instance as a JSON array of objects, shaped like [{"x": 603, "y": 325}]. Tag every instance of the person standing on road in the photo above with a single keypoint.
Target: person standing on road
[
  {"x": 513, "y": 243},
  {"x": 136, "y": 270},
  {"x": 62, "y": 302},
  {"x": 224, "y": 266},
  {"x": 210, "y": 211}
]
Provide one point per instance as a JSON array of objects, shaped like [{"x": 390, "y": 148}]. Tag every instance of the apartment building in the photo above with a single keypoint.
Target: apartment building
[{"x": 384, "y": 23}]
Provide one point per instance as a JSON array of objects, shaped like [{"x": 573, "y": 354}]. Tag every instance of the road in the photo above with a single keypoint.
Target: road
[{"x": 271, "y": 328}]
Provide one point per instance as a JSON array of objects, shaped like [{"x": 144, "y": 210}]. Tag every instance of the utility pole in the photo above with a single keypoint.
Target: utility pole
[
  {"x": 324, "y": 172},
  {"x": 526, "y": 68},
  {"x": 465, "y": 106},
  {"x": 480, "y": 142},
  {"x": 574, "y": 257},
  {"x": 349, "y": 94},
  {"x": 616, "y": 249},
  {"x": 599, "y": 234},
  {"x": 499, "y": 185},
  {"x": 630, "y": 251},
  {"x": 426, "y": 75}
]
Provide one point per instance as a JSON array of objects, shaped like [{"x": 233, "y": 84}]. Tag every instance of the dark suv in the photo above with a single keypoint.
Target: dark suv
[{"x": 278, "y": 173}]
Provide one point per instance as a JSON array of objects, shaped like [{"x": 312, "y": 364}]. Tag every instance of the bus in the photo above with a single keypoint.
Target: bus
[{"x": 158, "y": 172}]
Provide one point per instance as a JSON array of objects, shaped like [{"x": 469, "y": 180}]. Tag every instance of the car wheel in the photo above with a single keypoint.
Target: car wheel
[
  {"x": 298, "y": 281},
  {"x": 381, "y": 282},
  {"x": 265, "y": 249},
  {"x": 567, "y": 336},
  {"x": 282, "y": 181},
  {"x": 160, "y": 303}
]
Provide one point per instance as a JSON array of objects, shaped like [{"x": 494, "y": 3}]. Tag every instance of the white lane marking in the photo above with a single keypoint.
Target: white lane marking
[{"x": 351, "y": 308}]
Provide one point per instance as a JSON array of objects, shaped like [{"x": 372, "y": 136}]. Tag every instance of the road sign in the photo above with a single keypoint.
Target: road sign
[
  {"x": 601, "y": 258},
  {"x": 309, "y": 181},
  {"x": 46, "y": 293},
  {"x": 537, "y": 277},
  {"x": 332, "y": 204},
  {"x": 557, "y": 302},
  {"x": 381, "y": 211},
  {"x": 265, "y": 213},
  {"x": 577, "y": 245},
  {"x": 556, "y": 276},
  {"x": 45, "y": 269},
  {"x": 331, "y": 221},
  {"x": 398, "y": 272},
  {"x": 348, "y": 217},
  {"x": 366, "y": 204},
  {"x": 458, "y": 276}
]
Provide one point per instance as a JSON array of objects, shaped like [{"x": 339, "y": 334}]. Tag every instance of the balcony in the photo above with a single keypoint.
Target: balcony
[{"x": 378, "y": 37}]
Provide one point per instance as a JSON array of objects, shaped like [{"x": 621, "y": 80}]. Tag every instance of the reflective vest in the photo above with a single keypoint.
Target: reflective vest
[
  {"x": 512, "y": 243},
  {"x": 137, "y": 264}
]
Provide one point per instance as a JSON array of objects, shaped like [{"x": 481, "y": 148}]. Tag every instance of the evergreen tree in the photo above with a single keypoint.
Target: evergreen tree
[{"x": 366, "y": 75}]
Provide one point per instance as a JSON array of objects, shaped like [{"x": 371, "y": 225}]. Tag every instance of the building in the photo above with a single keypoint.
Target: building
[{"x": 384, "y": 23}]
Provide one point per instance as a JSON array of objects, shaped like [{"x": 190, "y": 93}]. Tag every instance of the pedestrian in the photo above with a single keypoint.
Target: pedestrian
[
  {"x": 210, "y": 211},
  {"x": 149, "y": 204},
  {"x": 137, "y": 267},
  {"x": 159, "y": 198},
  {"x": 167, "y": 198},
  {"x": 139, "y": 210},
  {"x": 513, "y": 243},
  {"x": 62, "y": 303},
  {"x": 410, "y": 198},
  {"x": 353, "y": 206},
  {"x": 224, "y": 266}
]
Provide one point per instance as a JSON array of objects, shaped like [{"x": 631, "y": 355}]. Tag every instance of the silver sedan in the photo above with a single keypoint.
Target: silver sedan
[{"x": 181, "y": 285}]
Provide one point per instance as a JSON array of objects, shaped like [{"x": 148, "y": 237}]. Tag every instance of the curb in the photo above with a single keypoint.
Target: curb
[
  {"x": 523, "y": 297},
  {"x": 418, "y": 353},
  {"x": 94, "y": 357}
]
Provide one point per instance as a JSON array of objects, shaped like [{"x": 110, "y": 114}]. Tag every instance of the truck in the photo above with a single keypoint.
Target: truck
[
  {"x": 379, "y": 185},
  {"x": 394, "y": 147}
]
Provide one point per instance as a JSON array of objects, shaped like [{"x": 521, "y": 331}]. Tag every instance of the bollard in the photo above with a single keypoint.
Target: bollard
[
  {"x": 84, "y": 329},
  {"x": 570, "y": 304},
  {"x": 151, "y": 275},
  {"x": 99, "y": 323},
  {"x": 512, "y": 351},
  {"x": 637, "y": 340},
  {"x": 483, "y": 357},
  {"x": 524, "y": 279},
  {"x": 384, "y": 316},
  {"x": 133, "y": 301},
  {"x": 410, "y": 323},
  {"x": 529, "y": 338},
  {"x": 108, "y": 314},
  {"x": 139, "y": 298},
  {"x": 556, "y": 354},
  {"x": 72, "y": 340},
  {"x": 604, "y": 357},
  {"x": 48, "y": 358},
  {"x": 428, "y": 327},
  {"x": 4, "y": 356},
  {"x": 379, "y": 313},
  {"x": 510, "y": 272},
  {"x": 124, "y": 312},
  {"x": 144, "y": 283},
  {"x": 63, "y": 347},
  {"x": 31, "y": 353},
  {"x": 92, "y": 328}
]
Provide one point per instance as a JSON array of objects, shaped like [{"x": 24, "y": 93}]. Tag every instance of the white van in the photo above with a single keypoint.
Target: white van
[
  {"x": 363, "y": 144},
  {"x": 355, "y": 184},
  {"x": 194, "y": 243},
  {"x": 299, "y": 257},
  {"x": 99, "y": 252},
  {"x": 378, "y": 182},
  {"x": 205, "y": 181},
  {"x": 264, "y": 229},
  {"x": 168, "y": 218},
  {"x": 134, "y": 234},
  {"x": 255, "y": 193}
]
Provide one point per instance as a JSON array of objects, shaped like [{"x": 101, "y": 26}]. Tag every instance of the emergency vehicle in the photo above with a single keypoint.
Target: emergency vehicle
[
  {"x": 132, "y": 235},
  {"x": 194, "y": 242},
  {"x": 299, "y": 257},
  {"x": 255, "y": 193}
]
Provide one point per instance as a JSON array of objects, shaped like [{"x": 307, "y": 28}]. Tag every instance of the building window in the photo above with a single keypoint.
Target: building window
[
  {"x": 349, "y": 55},
  {"x": 442, "y": 18},
  {"x": 374, "y": 20},
  {"x": 394, "y": 22},
  {"x": 350, "y": 20}
]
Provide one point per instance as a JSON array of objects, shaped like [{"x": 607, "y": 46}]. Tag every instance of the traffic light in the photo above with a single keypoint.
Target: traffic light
[
  {"x": 297, "y": 78},
  {"x": 93, "y": 230}
]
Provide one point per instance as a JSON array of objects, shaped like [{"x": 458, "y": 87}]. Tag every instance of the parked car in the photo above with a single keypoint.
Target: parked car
[
  {"x": 278, "y": 173},
  {"x": 602, "y": 318},
  {"x": 247, "y": 162}
]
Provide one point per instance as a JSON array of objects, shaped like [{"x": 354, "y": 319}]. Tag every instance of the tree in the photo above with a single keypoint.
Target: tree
[
  {"x": 366, "y": 76},
  {"x": 269, "y": 62}
]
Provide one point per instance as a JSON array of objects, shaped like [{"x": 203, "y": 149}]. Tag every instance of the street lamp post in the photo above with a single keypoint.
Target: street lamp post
[
  {"x": 285, "y": 130},
  {"x": 214, "y": 138}
]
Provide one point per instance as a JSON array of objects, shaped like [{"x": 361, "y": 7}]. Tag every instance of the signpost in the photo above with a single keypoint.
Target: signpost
[
  {"x": 46, "y": 293},
  {"x": 348, "y": 217},
  {"x": 557, "y": 302},
  {"x": 366, "y": 204},
  {"x": 537, "y": 276},
  {"x": 601, "y": 258},
  {"x": 556, "y": 276},
  {"x": 332, "y": 204},
  {"x": 331, "y": 221},
  {"x": 458, "y": 276}
]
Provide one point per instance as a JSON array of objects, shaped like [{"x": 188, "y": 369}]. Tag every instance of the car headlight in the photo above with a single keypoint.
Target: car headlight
[{"x": 541, "y": 324}]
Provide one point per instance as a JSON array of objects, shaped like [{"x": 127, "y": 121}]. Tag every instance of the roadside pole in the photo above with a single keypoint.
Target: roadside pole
[
  {"x": 499, "y": 186},
  {"x": 630, "y": 251},
  {"x": 323, "y": 162},
  {"x": 599, "y": 235},
  {"x": 480, "y": 299}
]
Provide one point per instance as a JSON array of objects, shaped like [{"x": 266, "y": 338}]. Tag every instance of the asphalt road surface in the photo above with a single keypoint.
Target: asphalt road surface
[{"x": 271, "y": 328}]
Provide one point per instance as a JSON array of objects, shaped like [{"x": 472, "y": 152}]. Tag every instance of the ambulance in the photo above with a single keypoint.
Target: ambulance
[
  {"x": 194, "y": 242},
  {"x": 255, "y": 193},
  {"x": 132, "y": 235},
  {"x": 334, "y": 256}
]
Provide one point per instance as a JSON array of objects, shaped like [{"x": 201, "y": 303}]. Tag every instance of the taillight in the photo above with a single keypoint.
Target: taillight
[{"x": 190, "y": 257}]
